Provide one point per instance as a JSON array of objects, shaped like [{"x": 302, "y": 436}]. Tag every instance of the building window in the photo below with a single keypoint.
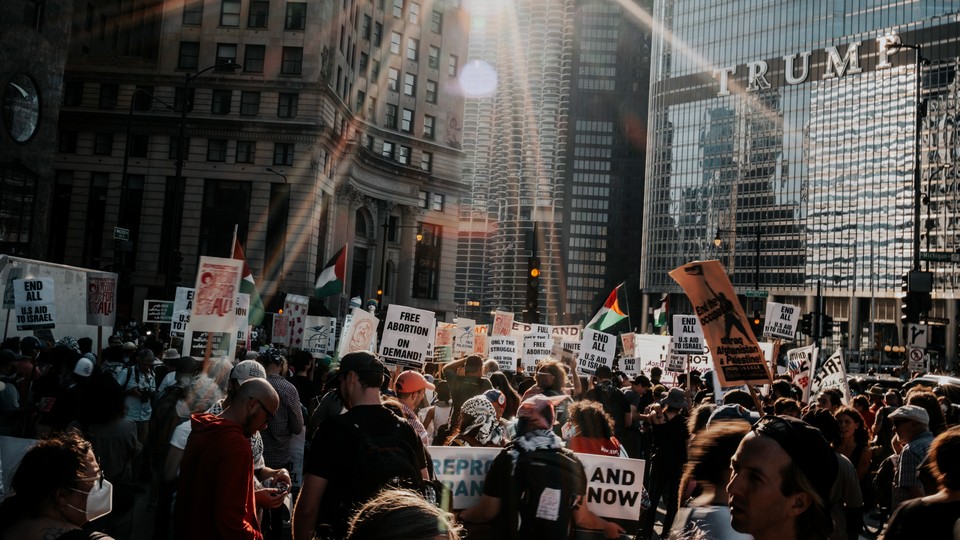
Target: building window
[
  {"x": 226, "y": 53},
  {"x": 429, "y": 125},
  {"x": 249, "y": 103},
  {"x": 103, "y": 144},
  {"x": 375, "y": 69},
  {"x": 139, "y": 143},
  {"x": 398, "y": 8},
  {"x": 403, "y": 156},
  {"x": 414, "y": 14},
  {"x": 287, "y": 105},
  {"x": 259, "y": 12},
  {"x": 436, "y": 22},
  {"x": 452, "y": 65},
  {"x": 361, "y": 99},
  {"x": 193, "y": 13},
  {"x": 283, "y": 154},
  {"x": 370, "y": 142},
  {"x": 426, "y": 266},
  {"x": 220, "y": 104},
  {"x": 226, "y": 206},
  {"x": 406, "y": 123},
  {"x": 424, "y": 197},
  {"x": 393, "y": 76},
  {"x": 296, "y": 16},
  {"x": 217, "y": 150},
  {"x": 434, "y": 59},
  {"x": 365, "y": 29},
  {"x": 391, "y": 117},
  {"x": 377, "y": 34},
  {"x": 364, "y": 62},
  {"x": 426, "y": 161},
  {"x": 108, "y": 95},
  {"x": 246, "y": 151},
  {"x": 230, "y": 13},
  {"x": 189, "y": 55},
  {"x": 413, "y": 49},
  {"x": 68, "y": 142},
  {"x": 431, "y": 91},
  {"x": 174, "y": 150},
  {"x": 253, "y": 58},
  {"x": 292, "y": 61},
  {"x": 387, "y": 151},
  {"x": 437, "y": 202},
  {"x": 409, "y": 84},
  {"x": 395, "y": 39}
]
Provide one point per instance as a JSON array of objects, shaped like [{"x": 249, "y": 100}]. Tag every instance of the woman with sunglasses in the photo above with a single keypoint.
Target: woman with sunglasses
[{"x": 57, "y": 488}]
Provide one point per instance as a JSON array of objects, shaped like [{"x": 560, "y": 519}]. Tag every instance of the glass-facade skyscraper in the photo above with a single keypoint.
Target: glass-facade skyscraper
[{"x": 783, "y": 143}]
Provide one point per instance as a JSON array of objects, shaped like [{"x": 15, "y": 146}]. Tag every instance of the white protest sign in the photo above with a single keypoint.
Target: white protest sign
[
  {"x": 799, "y": 366},
  {"x": 536, "y": 347},
  {"x": 295, "y": 308},
  {"x": 463, "y": 469},
  {"x": 596, "y": 349},
  {"x": 687, "y": 335},
  {"x": 832, "y": 374},
  {"x": 567, "y": 332},
  {"x": 463, "y": 336},
  {"x": 505, "y": 350},
  {"x": 182, "y": 306},
  {"x": 319, "y": 335},
  {"x": 502, "y": 324},
  {"x": 243, "y": 327},
  {"x": 35, "y": 303},
  {"x": 628, "y": 358},
  {"x": 652, "y": 352},
  {"x": 214, "y": 304},
  {"x": 677, "y": 362},
  {"x": 359, "y": 334},
  {"x": 101, "y": 299},
  {"x": 781, "y": 320},
  {"x": 406, "y": 336}
]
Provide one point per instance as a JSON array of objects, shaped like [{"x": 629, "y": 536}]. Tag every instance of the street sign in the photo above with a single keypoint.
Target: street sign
[
  {"x": 750, "y": 293},
  {"x": 936, "y": 320},
  {"x": 119, "y": 233},
  {"x": 940, "y": 256}
]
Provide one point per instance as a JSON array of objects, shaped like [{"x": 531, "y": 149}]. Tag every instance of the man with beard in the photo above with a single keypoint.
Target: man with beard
[{"x": 215, "y": 494}]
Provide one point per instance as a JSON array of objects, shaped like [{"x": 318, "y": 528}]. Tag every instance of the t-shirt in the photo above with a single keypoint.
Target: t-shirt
[
  {"x": 596, "y": 445},
  {"x": 919, "y": 519},
  {"x": 333, "y": 455},
  {"x": 706, "y": 523},
  {"x": 463, "y": 388}
]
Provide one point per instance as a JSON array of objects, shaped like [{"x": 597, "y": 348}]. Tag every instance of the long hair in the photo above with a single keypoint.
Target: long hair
[
  {"x": 860, "y": 436},
  {"x": 499, "y": 381},
  {"x": 559, "y": 374},
  {"x": 710, "y": 453},
  {"x": 591, "y": 420}
]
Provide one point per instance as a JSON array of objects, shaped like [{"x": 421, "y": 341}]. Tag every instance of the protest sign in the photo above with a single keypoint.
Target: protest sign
[
  {"x": 182, "y": 307},
  {"x": 463, "y": 470},
  {"x": 157, "y": 311},
  {"x": 596, "y": 349},
  {"x": 101, "y": 299},
  {"x": 406, "y": 336},
  {"x": 800, "y": 363},
  {"x": 505, "y": 350},
  {"x": 319, "y": 335},
  {"x": 463, "y": 336},
  {"x": 445, "y": 334},
  {"x": 652, "y": 352},
  {"x": 736, "y": 353},
  {"x": 781, "y": 321},
  {"x": 243, "y": 326},
  {"x": 628, "y": 358},
  {"x": 359, "y": 333},
  {"x": 35, "y": 303},
  {"x": 480, "y": 339},
  {"x": 195, "y": 343},
  {"x": 676, "y": 363},
  {"x": 502, "y": 324},
  {"x": 295, "y": 308},
  {"x": 281, "y": 330},
  {"x": 214, "y": 304},
  {"x": 687, "y": 335},
  {"x": 567, "y": 332},
  {"x": 832, "y": 374},
  {"x": 536, "y": 347}
]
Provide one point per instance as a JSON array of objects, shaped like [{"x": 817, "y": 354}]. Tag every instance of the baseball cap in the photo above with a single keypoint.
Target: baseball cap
[
  {"x": 496, "y": 397},
  {"x": 411, "y": 381},
  {"x": 84, "y": 367},
  {"x": 807, "y": 448},
  {"x": 248, "y": 369},
  {"x": 911, "y": 412}
]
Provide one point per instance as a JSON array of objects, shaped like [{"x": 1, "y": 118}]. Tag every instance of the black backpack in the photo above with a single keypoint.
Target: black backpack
[{"x": 549, "y": 482}]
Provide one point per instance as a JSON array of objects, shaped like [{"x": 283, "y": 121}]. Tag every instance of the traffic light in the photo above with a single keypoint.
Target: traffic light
[
  {"x": 756, "y": 324},
  {"x": 379, "y": 295},
  {"x": 806, "y": 324},
  {"x": 531, "y": 313},
  {"x": 909, "y": 302},
  {"x": 177, "y": 268},
  {"x": 827, "y": 329}
]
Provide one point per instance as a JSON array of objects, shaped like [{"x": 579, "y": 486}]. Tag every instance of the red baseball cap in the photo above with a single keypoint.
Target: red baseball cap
[{"x": 412, "y": 381}]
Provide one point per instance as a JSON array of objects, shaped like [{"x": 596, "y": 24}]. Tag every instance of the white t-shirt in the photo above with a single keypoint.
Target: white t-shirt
[{"x": 182, "y": 432}]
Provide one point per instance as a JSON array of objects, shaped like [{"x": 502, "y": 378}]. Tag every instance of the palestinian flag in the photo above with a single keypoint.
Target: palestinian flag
[
  {"x": 610, "y": 314},
  {"x": 331, "y": 278},
  {"x": 247, "y": 286},
  {"x": 660, "y": 314}
]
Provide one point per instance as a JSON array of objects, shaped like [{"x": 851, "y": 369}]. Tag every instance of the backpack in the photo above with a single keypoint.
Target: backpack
[
  {"x": 384, "y": 459},
  {"x": 549, "y": 482},
  {"x": 164, "y": 420}
]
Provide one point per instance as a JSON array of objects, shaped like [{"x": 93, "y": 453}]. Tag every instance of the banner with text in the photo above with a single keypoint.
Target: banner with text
[
  {"x": 35, "y": 303},
  {"x": 832, "y": 374},
  {"x": 536, "y": 347},
  {"x": 406, "y": 336},
  {"x": 781, "y": 321},
  {"x": 596, "y": 349},
  {"x": 319, "y": 335},
  {"x": 687, "y": 335},
  {"x": 295, "y": 307},
  {"x": 480, "y": 339},
  {"x": 182, "y": 307},
  {"x": 157, "y": 311},
  {"x": 502, "y": 324},
  {"x": 101, "y": 299},
  {"x": 800, "y": 363},
  {"x": 281, "y": 330},
  {"x": 463, "y": 336},
  {"x": 628, "y": 358},
  {"x": 214, "y": 304},
  {"x": 505, "y": 350},
  {"x": 243, "y": 325}
]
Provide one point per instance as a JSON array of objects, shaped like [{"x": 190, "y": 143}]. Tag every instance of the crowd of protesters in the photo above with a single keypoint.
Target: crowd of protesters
[{"x": 211, "y": 445}]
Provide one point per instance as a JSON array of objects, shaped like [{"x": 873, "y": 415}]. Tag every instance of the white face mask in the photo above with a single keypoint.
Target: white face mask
[{"x": 99, "y": 501}]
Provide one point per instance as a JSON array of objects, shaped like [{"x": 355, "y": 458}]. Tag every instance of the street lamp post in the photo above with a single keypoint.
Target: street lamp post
[
  {"x": 383, "y": 254},
  {"x": 176, "y": 211}
]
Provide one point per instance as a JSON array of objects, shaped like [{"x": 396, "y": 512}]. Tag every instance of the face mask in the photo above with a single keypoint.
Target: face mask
[
  {"x": 99, "y": 501},
  {"x": 568, "y": 431}
]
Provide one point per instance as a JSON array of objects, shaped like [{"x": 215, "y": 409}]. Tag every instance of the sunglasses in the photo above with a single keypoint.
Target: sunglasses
[{"x": 265, "y": 410}]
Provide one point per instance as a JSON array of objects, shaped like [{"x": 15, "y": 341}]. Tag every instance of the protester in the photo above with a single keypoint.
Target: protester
[
  {"x": 9, "y": 395},
  {"x": 215, "y": 496},
  {"x": 302, "y": 363},
  {"x": 934, "y": 516},
  {"x": 787, "y": 407},
  {"x": 589, "y": 430},
  {"x": 57, "y": 488},
  {"x": 499, "y": 381},
  {"x": 845, "y": 500},
  {"x": 923, "y": 397},
  {"x": 478, "y": 425},
  {"x": 910, "y": 423},
  {"x": 411, "y": 389},
  {"x": 781, "y": 476},
  {"x": 465, "y": 380},
  {"x": 139, "y": 386},
  {"x": 401, "y": 514},
  {"x": 611, "y": 398},
  {"x": 854, "y": 442},
  {"x": 550, "y": 379},
  {"x": 669, "y": 454}
]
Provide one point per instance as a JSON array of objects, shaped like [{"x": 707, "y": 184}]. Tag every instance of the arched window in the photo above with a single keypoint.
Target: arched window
[{"x": 361, "y": 229}]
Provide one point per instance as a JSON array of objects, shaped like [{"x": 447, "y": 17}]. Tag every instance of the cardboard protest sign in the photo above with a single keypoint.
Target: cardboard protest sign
[
  {"x": 628, "y": 358},
  {"x": 319, "y": 335},
  {"x": 182, "y": 307},
  {"x": 781, "y": 321},
  {"x": 536, "y": 347},
  {"x": 35, "y": 303},
  {"x": 463, "y": 336},
  {"x": 406, "y": 336},
  {"x": 676, "y": 363},
  {"x": 596, "y": 349},
  {"x": 281, "y": 330},
  {"x": 157, "y": 311},
  {"x": 359, "y": 333},
  {"x": 445, "y": 334},
  {"x": 687, "y": 335},
  {"x": 295, "y": 308},
  {"x": 832, "y": 374},
  {"x": 736, "y": 353},
  {"x": 101, "y": 299},
  {"x": 652, "y": 352},
  {"x": 480, "y": 339},
  {"x": 800, "y": 362},
  {"x": 502, "y": 324},
  {"x": 243, "y": 326},
  {"x": 214, "y": 304},
  {"x": 505, "y": 350}
]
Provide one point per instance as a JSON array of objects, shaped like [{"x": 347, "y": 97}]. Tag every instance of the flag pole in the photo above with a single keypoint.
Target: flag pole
[
  {"x": 233, "y": 246},
  {"x": 626, "y": 300}
]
